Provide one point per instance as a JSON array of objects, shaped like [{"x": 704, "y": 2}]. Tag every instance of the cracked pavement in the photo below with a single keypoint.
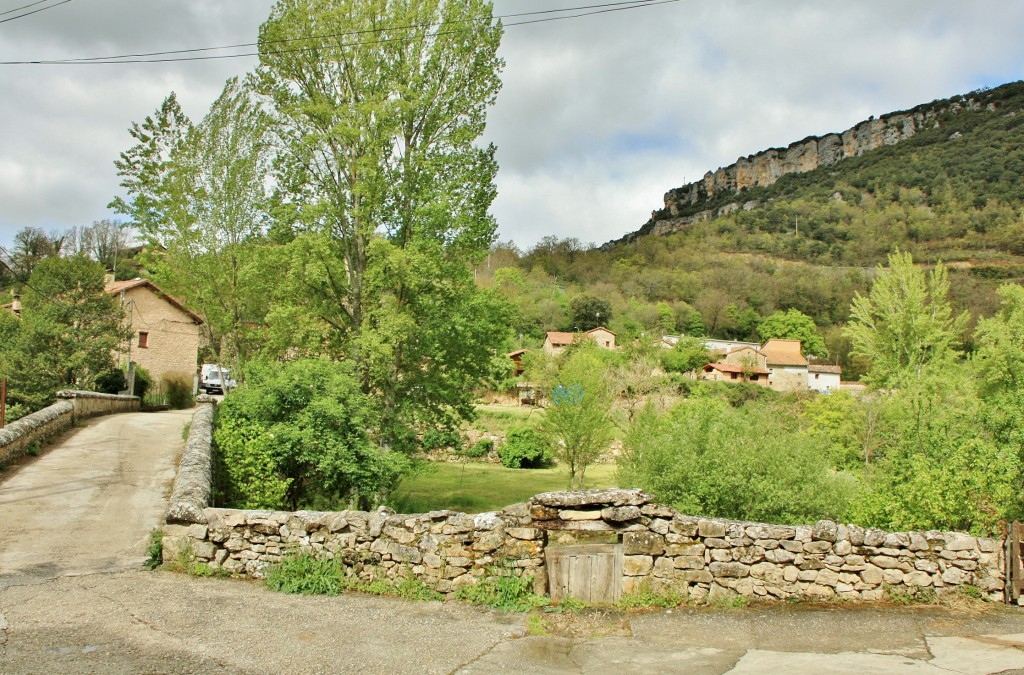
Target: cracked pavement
[{"x": 74, "y": 598}]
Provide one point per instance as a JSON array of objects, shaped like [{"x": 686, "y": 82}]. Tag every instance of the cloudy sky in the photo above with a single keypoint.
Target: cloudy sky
[{"x": 599, "y": 116}]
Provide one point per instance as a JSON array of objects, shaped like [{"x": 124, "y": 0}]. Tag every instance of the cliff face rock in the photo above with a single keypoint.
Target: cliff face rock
[{"x": 682, "y": 204}]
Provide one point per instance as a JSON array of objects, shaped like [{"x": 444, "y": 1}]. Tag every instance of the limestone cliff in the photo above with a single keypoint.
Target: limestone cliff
[{"x": 703, "y": 199}]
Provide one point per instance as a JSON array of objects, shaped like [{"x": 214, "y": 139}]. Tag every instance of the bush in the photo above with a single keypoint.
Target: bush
[
  {"x": 437, "y": 439},
  {"x": 111, "y": 381},
  {"x": 178, "y": 390},
  {"x": 525, "y": 448},
  {"x": 502, "y": 591},
  {"x": 306, "y": 575},
  {"x": 481, "y": 448},
  {"x": 143, "y": 382}
]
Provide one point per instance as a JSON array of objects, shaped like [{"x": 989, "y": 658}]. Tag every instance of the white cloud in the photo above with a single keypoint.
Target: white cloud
[{"x": 598, "y": 116}]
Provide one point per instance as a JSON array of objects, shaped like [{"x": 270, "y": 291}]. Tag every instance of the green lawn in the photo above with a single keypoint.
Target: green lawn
[{"x": 478, "y": 487}]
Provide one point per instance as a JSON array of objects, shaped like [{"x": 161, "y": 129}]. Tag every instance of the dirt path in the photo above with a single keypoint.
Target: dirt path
[{"x": 88, "y": 504}]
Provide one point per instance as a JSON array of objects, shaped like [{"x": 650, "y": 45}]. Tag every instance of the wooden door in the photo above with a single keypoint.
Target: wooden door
[{"x": 592, "y": 573}]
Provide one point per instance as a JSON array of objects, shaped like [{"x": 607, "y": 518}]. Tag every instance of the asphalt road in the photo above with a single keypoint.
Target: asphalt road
[{"x": 74, "y": 599}]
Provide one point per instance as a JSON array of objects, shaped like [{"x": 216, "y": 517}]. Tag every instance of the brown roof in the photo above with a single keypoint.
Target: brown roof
[
  {"x": 835, "y": 370},
  {"x": 783, "y": 353},
  {"x": 518, "y": 352},
  {"x": 559, "y": 338},
  {"x": 730, "y": 368},
  {"x": 119, "y": 286},
  {"x": 593, "y": 330}
]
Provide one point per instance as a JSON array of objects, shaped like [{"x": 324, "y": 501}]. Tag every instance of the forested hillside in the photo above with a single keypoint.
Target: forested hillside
[{"x": 952, "y": 192}]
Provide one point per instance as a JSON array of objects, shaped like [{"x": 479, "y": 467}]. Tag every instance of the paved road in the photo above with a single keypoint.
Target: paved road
[
  {"x": 74, "y": 599},
  {"x": 88, "y": 503}
]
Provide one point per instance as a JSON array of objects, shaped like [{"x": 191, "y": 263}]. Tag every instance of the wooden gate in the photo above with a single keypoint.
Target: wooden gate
[
  {"x": 1014, "y": 564},
  {"x": 592, "y": 573}
]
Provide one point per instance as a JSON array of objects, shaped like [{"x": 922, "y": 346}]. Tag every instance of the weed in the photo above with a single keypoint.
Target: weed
[
  {"x": 155, "y": 551},
  {"x": 33, "y": 449},
  {"x": 503, "y": 591},
  {"x": 916, "y": 595},
  {"x": 571, "y": 604},
  {"x": 536, "y": 626},
  {"x": 307, "y": 575},
  {"x": 970, "y": 591},
  {"x": 185, "y": 430},
  {"x": 734, "y": 602},
  {"x": 645, "y": 596}
]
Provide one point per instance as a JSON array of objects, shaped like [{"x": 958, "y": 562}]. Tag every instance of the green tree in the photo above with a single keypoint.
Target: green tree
[
  {"x": 905, "y": 323},
  {"x": 794, "y": 325},
  {"x": 69, "y": 330},
  {"x": 383, "y": 181},
  {"x": 578, "y": 416},
  {"x": 688, "y": 354},
  {"x": 588, "y": 312},
  {"x": 146, "y": 167},
  {"x": 1000, "y": 355}
]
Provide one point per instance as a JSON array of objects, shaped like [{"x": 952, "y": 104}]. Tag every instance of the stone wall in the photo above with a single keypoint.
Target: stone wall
[
  {"x": 40, "y": 427},
  {"x": 702, "y": 558}
]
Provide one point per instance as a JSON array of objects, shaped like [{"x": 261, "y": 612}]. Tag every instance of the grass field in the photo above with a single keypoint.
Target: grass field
[{"x": 478, "y": 487}]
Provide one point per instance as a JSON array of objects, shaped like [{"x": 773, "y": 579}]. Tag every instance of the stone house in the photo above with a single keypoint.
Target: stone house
[
  {"x": 744, "y": 364},
  {"x": 824, "y": 379},
  {"x": 787, "y": 367},
  {"x": 164, "y": 333},
  {"x": 555, "y": 342}
]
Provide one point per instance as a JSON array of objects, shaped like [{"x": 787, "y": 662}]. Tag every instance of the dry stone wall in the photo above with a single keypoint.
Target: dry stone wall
[
  {"x": 702, "y": 558},
  {"x": 39, "y": 427}
]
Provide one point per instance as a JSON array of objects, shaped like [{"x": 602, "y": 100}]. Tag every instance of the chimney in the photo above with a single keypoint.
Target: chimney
[{"x": 16, "y": 305}]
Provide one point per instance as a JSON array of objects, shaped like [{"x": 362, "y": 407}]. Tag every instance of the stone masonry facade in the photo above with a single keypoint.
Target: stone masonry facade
[{"x": 701, "y": 558}]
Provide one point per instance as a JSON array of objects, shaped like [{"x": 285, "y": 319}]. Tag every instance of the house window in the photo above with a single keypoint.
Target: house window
[
  {"x": 733, "y": 375},
  {"x": 143, "y": 339}
]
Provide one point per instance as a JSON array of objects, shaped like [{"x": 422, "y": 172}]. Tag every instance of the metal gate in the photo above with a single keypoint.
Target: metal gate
[
  {"x": 1014, "y": 564},
  {"x": 592, "y": 573}
]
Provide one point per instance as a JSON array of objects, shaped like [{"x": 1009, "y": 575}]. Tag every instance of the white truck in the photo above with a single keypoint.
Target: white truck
[{"x": 214, "y": 379}]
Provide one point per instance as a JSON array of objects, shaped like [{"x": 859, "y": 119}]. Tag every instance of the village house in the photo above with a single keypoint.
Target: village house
[
  {"x": 743, "y": 364},
  {"x": 787, "y": 367},
  {"x": 164, "y": 334},
  {"x": 824, "y": 379},
  {"x": 555, "y": 342}
]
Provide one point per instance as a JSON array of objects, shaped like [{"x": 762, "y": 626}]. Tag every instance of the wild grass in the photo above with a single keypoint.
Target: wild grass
[{"x": 478, "y": 487}]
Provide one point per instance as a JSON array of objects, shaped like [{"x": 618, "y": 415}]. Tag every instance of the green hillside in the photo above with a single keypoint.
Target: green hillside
[{"x": 954, "y": 192}]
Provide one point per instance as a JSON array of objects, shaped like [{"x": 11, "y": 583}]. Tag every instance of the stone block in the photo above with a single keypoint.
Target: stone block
[
  {"x": 767, "y": 544},
  {"x": 824, "y": 530},
  {"x": 872, "y": 575},
  {"x": 688, "y": 562},
  {"x": 818, "y": 591},
  {"x": 928, "y": 566},
  {"x": 873, "y": 537},
  {"x": 524, "y": 533},
  {"x": 539, "y": 512},
  {"x": 748, "y": 554},
  {"x": 792, "y": 546},
  {"x": 956, "y": 541},
  {"x": 717, "y": 542},
  {"x": 802, "y": 533},
  {"x": 609, "y": 497},
  {"x": 695, "y": 576},
  {"x": 720, "y": 554},
  {"x": 790, "y": 574},
  {"x": 568, "y": 514},
  {"x": 817, "y": 547},
  {"x": 658, "y": 511},
  {"x": 780, "y": 556},
  {"x": 892, "y": 577},
  {"x": 198, "y": 531},
  {"x": 987, "y": 545},
  {"x": 954, "y": 576},
  {"x": 660, "y": 526},
  {"x": 399, "y": 534},
  {"x": 884, "y": 561},
  {"x": 637, "y": 565},
  {"x": 828, "y": 578},
  {"x": 685, "y": 525},
  {"x": 642, "y": 543},
  {"x": 663, "y": 567},
  {"x": 843, "y": 548},
  {"x": 855, "y": 534},
  {"x": 897, "y": 540},
  {"x": 729, "y": 570},
  {"x": 921, "y": 579},
  {"x": 691, "y": 549},
  {"x": 621, "y": 514},
  {"x": 711, "y": 528},
  {"x": 401, "y": 553}
]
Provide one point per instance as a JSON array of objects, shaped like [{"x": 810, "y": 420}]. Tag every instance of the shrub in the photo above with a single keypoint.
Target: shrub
[
  {"x": 111, "y": 381},
  {"x": 178, "y": 390},
  {"x": 303, "y": 574},
  {"x": 481, "y": 448},
  {"x": 525, "y": 448},
  {"x": 502, "y": 591},
  {"x": 436, "y": 439},
  {"x": 143, "y": 382}
]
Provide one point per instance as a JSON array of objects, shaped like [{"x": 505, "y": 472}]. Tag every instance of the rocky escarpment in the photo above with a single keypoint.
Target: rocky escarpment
[{"x": 713, "y": 195}]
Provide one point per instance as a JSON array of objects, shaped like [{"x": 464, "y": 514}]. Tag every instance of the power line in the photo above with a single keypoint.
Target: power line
[
  {"x": 35, "y": 11},
  {"x": 581, "y": 11},
  {"x": 18, "y": 9}
]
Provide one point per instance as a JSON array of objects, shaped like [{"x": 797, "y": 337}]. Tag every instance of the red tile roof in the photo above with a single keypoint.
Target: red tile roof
[
  {"x": 783, "y": 353},
  {"x": 835, "y": 370},
  {"x": 558, "y": 338}
]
